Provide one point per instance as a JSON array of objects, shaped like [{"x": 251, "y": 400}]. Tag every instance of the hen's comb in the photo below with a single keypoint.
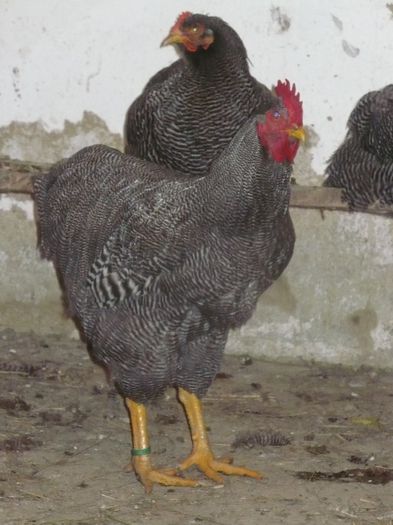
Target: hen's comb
[
  {"x": 180, "y": 20},
  {"x": 291, "y": 101}
]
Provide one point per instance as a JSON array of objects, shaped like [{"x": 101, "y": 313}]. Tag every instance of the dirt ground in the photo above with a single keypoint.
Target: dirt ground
[{"x": 322, "y": 435}]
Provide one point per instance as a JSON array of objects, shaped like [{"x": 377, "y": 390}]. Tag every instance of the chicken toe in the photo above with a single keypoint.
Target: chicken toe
[{"x": 201, "y": 455}]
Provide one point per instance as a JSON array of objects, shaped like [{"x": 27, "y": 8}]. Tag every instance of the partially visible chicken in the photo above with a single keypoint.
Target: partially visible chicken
[
  {"x": 189, "y": 111},
  {"x": 157, "y": 267},
  {"x": 363, "y": 164}
]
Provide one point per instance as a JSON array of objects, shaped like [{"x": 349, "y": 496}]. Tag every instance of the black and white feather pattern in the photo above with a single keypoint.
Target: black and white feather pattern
[
  {"x": 157, "y": 266},
  {"x": 363, "y": 164},
  {"x": 189, "y": 111}
]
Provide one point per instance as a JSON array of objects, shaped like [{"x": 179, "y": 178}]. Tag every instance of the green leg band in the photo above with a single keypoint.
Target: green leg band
[{"x": 140, "y": 451}]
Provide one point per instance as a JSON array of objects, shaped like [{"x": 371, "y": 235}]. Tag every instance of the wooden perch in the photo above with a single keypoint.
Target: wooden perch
[
  {"x": 16, "y": 177},
  {"x": 321, "y": 198},
  {"x": 317, "y": 197}
]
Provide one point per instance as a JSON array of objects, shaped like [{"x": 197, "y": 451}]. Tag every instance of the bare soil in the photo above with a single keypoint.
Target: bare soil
[{"x": 322, "y": 436}]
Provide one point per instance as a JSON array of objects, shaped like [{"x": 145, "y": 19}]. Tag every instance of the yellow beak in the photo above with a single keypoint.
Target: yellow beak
[
  {"x": 173, "y": 38},
  {"x": 297, "y": 133}
]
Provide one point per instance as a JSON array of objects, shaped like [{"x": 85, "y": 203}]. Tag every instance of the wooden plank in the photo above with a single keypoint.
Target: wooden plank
[
  {"x": 321, "y": 198},
  {"x": 317, "y": 197},
  {"x": 16, "y": 177}
]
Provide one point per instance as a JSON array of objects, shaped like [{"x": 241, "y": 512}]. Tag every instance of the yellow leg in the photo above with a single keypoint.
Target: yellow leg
[
  {"x": 201, "y": 455},
  {"x": 141, "y": 453}
]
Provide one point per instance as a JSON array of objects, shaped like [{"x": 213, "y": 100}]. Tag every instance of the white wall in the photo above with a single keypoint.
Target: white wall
[{"x": 59, "y": 58}]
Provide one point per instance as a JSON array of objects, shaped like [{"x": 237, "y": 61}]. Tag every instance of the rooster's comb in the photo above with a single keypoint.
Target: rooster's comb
[
  {"x": 180, "y": 19},
  {"x": 291, "y": 101}
]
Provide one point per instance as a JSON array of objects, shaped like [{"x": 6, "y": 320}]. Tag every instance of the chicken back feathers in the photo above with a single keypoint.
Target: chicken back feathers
[
  {"x": 363, "y": 163},
  {"x": 189, "y": 111},
  {"x": 157, "y": 266}
]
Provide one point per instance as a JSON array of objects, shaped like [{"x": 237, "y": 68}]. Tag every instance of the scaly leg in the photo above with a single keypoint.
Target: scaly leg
[
  {"x": 141, "y": 453},
  {"x": 201, "y": 455}
]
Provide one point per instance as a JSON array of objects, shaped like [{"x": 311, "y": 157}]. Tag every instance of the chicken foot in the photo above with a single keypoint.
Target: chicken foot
[
  {"x": 141, "y": 462},
  {"x": 202, "y": 456}
]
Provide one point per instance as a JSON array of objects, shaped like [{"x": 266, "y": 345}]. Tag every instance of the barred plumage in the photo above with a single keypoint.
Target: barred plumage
[
  {"x": 363, "y": 164},
  {"x": 190, "y": 111},
  {"x": 158, "y": 266}
]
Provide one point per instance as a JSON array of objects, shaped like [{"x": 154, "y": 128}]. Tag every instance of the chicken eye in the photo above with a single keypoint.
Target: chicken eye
[
  {"x": 276, "y": 114},
  {"x": 194, "y": 29}
]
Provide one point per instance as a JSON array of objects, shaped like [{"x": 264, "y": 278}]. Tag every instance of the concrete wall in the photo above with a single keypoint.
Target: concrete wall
[{"x": 70, "y": 69}]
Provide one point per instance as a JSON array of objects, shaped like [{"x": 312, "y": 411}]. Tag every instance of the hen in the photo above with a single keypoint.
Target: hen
[
  {"x": 157, "y": 267},
  {"x": 363, "y": 164},
  {"x": 189, "y": 111}
]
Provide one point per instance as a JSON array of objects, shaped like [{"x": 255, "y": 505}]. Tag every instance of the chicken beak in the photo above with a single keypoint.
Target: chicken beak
[
  {"x": 297, "y": 133},
  {"x": 174, "y": 37}
]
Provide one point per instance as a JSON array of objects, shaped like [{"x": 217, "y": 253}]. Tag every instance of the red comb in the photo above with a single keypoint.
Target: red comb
[
  {"x": 291, "y": 101},
  {"x": 180, "y": 19}
]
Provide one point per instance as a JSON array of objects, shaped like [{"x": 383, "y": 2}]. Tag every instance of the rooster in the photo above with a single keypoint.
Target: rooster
[
  {"x": 363, "y": 164},
  {"x": 189, "y": 111},
  {"x": 157, "y": 267}
]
